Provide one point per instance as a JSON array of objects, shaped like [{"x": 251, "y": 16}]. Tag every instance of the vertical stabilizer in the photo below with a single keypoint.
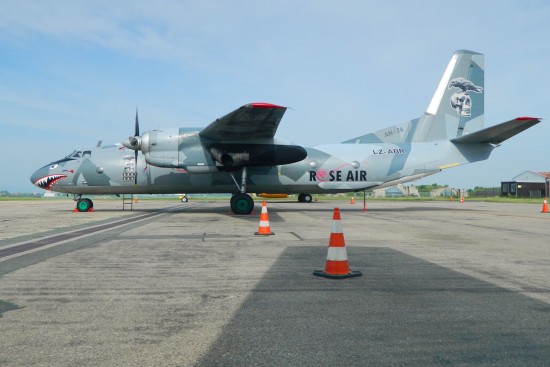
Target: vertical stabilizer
[
  {"x": 456, "y": 108},
  {"x": 457, "y": 105}
]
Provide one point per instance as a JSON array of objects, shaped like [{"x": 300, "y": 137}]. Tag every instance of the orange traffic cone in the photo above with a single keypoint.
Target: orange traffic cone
[
  {"x": 264, "y": 229},
  {"x": 451, "y": 199},
  {"x": 462, "y": 199},
  {"x": 135, "y": 199},
  {"x": 352, "y": 201},
  {"x": 544, "y": 206},
  {"x": 337, "y": 258}
]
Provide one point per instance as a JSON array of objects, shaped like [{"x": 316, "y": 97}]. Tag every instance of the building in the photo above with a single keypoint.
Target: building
[
  {"x": 395, "y": 191},
  {"x": 528, "y": 184},
  {"x": 448, "y": 192}
]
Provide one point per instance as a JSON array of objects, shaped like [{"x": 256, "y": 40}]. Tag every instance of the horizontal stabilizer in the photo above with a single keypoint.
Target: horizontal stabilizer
[{"x": 498, "y": 133}]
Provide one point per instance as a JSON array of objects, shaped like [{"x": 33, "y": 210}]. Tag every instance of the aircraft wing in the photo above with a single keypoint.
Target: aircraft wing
[
  {"x": 251, "y": 121},
  {"x": 498, "y": 133}
]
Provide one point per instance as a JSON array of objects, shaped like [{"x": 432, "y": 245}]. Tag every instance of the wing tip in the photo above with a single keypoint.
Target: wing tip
[
  {"x": 527, "y": 118},
  {"x": 262, "y": 105}
]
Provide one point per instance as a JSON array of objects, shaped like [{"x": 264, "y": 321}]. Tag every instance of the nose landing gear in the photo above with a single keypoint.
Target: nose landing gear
[{"x": 83, "y": 205}]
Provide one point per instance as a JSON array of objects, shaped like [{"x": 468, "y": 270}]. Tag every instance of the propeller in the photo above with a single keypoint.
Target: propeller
[
  {"x": 134, "y": 143},
  {"x": 137, "y": 143}
]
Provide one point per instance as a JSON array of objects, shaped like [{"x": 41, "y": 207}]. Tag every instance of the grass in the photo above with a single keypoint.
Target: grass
[{"x": 15, "y": 198}]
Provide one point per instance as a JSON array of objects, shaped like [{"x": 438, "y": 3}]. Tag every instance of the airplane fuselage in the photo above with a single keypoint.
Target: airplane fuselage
[
  {"x": 327, "y": 168},
  {"x": 239, "y": 154}
]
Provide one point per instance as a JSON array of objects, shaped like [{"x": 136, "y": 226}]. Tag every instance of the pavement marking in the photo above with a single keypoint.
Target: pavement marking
[
  {"x": 19, "y": 255},
  {"x": 70, "y": 235}
]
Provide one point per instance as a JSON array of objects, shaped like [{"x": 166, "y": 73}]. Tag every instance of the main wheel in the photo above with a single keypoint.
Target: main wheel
[
  {"x": 184, "y": 199},
  {"x": 304, "y": 198},
  {"x": 242, "y": 204},
  {"x": 83, "y": 205}
]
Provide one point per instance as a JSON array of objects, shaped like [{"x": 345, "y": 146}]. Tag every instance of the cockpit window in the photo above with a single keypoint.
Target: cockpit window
[
  {"x": 75, "y": 154},
  {"x": 86, "y": 154}
]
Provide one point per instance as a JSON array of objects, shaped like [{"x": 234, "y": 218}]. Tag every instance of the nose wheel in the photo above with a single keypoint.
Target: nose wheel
[{"x": 84, "y": 205}]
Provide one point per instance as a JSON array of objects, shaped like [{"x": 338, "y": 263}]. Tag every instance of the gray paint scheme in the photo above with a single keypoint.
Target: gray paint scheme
[{"x": 448, "y": 134}]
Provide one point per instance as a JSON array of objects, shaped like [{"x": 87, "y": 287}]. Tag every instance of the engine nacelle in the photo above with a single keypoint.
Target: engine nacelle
[
  {"x": 161, "y": 147},
  {"x": 176, "y": 148},
  {"x": 254, "y": 155},
  {"x": 230, "y": 159}
]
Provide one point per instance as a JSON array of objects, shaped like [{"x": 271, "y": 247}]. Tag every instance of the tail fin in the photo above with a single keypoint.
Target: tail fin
[
  {"x": 457, "y": 106},
  {"x": 458, "y": 102}
]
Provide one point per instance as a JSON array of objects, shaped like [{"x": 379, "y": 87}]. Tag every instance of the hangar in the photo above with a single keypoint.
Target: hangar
[{"x": 529, "y": 184}]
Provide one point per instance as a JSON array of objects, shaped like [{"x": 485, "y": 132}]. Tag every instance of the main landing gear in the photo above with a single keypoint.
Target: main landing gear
[
  {"x": 241, "y": 203},
  {"x": 304, "y": 198}
]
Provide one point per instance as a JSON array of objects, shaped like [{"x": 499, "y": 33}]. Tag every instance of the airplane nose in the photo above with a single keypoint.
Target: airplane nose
[
  {"x": 47, "y": 176},
  {"x": 37, "y": 175}
]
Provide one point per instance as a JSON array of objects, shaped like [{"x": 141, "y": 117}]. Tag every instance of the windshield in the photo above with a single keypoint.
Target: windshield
[{"x": 75, "y": 154}]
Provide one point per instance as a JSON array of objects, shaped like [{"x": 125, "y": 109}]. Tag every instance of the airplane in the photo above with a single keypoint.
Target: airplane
[{"x": 239, "y": 154}]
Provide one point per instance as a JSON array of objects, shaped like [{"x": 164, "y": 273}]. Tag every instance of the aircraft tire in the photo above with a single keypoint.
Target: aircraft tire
[
  {"x": 305, "y": 198},
  {"x": 83, "y": 205},
  {"x": 184, "y": 199},
  {"x": 242, "y": 204}
]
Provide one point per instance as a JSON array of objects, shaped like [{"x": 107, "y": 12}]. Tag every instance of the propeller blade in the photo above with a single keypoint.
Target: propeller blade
[
  {"x": 134, "y": 142},
  {"x": 136, "y": 127},
  {"x": 135, "y": 167}
]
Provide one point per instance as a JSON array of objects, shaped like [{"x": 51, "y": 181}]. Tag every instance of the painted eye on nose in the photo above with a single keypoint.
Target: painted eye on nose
[{"x": 53, "y": 166}]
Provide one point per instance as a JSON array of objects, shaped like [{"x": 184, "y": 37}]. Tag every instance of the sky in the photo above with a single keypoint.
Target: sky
[{"x": 73, "y": 72}]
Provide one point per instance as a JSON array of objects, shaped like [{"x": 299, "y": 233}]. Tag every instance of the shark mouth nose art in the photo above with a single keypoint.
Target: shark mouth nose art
[{"x": 47, "y": 182}]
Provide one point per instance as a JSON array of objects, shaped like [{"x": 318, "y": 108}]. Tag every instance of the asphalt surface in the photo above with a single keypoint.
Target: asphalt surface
[{"x": 170, "y": 284}]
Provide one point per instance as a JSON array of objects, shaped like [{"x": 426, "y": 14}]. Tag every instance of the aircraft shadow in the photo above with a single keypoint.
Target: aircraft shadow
[{"x": 402, "y": 311}]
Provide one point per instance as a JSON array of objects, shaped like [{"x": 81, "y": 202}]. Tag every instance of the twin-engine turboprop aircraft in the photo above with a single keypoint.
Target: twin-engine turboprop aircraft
[{"x": 238, "y": 153}]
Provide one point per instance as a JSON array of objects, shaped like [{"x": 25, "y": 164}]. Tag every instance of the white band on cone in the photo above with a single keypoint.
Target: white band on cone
[{"x": 337, "y": 254}]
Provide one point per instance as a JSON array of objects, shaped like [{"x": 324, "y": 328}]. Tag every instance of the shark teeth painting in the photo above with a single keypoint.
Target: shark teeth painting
[{"x": 47, "y": 182}]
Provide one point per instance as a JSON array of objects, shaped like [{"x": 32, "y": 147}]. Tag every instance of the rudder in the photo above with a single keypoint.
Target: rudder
[{"x": 458, "y": 102}]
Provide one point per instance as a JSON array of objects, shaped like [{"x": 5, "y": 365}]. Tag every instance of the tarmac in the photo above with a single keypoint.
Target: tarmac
[{"x": 189, "y": 284}]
